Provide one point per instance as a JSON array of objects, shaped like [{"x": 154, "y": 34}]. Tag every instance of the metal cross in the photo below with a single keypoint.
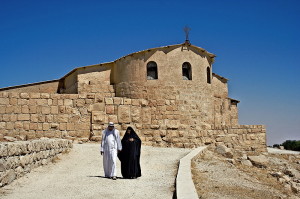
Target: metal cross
[{"x": 186, "y": 29}]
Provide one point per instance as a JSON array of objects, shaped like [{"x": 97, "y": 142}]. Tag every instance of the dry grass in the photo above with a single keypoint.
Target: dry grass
[{"x": 215, "y": 177}]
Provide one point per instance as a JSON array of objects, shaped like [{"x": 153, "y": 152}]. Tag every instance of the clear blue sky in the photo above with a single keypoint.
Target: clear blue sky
[{"x": 256, "y": 42}]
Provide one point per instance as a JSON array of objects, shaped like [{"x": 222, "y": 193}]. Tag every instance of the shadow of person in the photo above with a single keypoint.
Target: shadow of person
[{"x": 104, "y": 177}]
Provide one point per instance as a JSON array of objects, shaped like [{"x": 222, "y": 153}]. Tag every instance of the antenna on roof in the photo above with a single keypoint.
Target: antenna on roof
[{"x": 187, "y": 29}]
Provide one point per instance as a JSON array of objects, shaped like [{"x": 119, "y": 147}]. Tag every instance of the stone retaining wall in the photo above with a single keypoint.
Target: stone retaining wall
[
  {"x": 167, "y": 123},
  {"x": 19, "y": 158}
]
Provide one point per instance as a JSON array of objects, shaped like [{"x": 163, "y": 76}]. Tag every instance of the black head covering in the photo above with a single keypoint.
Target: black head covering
[{"x": 131, "y": 135}]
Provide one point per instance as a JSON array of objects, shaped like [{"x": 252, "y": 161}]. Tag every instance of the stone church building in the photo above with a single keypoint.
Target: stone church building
[{"x": 169, "y": 94}]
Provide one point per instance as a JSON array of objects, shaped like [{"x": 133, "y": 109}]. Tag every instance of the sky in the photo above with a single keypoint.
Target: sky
[{"x": 256, "y": 43}]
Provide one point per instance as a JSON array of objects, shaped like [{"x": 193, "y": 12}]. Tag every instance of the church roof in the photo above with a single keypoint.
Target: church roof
[
  {"x": 29, "y": 84},
  {"x": 176, "y": 45},
  {"x": 212, "y": 56},
  {"x": 220, "y": 77}
]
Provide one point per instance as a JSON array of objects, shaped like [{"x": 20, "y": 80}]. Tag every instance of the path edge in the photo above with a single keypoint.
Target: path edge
[{"x": 185, "y": 188}]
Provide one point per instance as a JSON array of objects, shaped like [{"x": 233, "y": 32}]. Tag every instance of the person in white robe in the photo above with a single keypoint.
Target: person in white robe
[{"x": 110, "y": 146}]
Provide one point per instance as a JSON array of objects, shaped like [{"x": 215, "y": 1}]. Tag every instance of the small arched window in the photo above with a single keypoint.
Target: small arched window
[
  {"x": 186, "y": 71},
  {"x": 208, "y": 75},
  {"x": 152, "y": 70}
]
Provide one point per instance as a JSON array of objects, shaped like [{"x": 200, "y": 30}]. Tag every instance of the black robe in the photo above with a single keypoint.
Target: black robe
[{"x": 130, "y": 155}]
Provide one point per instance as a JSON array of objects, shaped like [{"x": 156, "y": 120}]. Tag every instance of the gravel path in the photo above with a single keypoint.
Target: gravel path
[{"x": 79, "y": 174}]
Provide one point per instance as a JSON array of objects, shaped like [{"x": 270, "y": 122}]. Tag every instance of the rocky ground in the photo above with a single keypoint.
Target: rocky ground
[
  {"x": 223, "y": 173},
  {"x": 79, "y": 174}
]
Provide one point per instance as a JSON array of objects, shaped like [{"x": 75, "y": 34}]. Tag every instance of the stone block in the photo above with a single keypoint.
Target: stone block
[
  {"x": 45, "y": 95},
  {"x": 136, "y": 113},
  {"x": 41, "y": 118},
  {"x": 32, "y": 109},
  {"x": 90, "y": 96},
  {"x": 110, "y": 109},
  {"x": 70, "y": 126},
  {"x": 2, "y": 125},
  {"x": 63, "y": 118},
  {"x": 259, "y": 161},
  {"x": 8, "y": 177},
  {"x": 13, "y": 101},
  {"x": 46, "y": 126},
  {"x": 33, "y": 126},
  {"x": 79, "y": 102},
  {"x": 135, "y": 102},
  {"x": 146, "y": 115},
  {"x": 35, "y": 95},
  {"x": 2, "y": 109},
  {"x": 24, "y": 95},
  {"x": 46, "y": 110},
  {"x": 12, "y": 109},
  {"x": 109, "y": 101},
  {"x": 124, "y": 114},
  {"x": 63, "y": 126},
  {"x": 68, "y": 102},
  {"x": 34, "y": 118},
  {"x": 98, "y": 117},
  {"x": 127, "y": 101},
  {"x": 41, "y": 102},
  {"x": 118, "y": 100},
  {"x": 97, "y": 107},
  {"x": 23, "y": 117},
  {"x": 97, "y": 126},
  {"x": 18, "y": 125},
  {"x": 50, "y": 102},
  {"x": 83, "y": 126},
  {"x": 54, "y": 110},
  {"x": 144, "y": 102},
  {"x": 83, "y": 133},
  {"x": 3, "y": 150},
  {"x": 4, "y": 101},
  {"x": 113, "y": 118},
  {"x": 172, "y": 124}
]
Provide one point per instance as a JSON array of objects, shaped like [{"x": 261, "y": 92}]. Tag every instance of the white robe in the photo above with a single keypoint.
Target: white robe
[{"x": 110, "y": 145}]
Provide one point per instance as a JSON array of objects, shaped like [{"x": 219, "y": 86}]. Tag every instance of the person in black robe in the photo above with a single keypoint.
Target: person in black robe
[{"x": 130, "y": 155}]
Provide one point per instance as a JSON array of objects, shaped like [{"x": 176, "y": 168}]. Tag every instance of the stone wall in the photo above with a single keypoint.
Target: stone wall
[
  {"x": 33, "y": 115},
  {"x": 168, "y": 123},
  {"x": 249, "y": 138},
  {"x": 19, "y": 158}
]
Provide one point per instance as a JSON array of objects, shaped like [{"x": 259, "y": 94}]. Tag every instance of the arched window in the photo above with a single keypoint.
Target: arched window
[
  {"x": 186, "y": 71},
  {"x": 152, "y": 70},
  {"x": 208, "y": 75}
]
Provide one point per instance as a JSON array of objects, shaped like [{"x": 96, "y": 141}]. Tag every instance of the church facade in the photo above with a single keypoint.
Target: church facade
[{"x": 169, "y": 94}]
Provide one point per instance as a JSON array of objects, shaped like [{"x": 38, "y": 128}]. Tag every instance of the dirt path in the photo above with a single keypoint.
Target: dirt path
[{"x": 79, "y": 174}]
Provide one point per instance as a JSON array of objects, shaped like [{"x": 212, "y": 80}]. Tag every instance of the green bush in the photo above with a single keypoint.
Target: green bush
[{"x": 293, "y": 145}]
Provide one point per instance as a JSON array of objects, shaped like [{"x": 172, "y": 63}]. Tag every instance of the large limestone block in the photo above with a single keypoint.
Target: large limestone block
[
  {"x": 23, "y": 117},
  {"x": 124, "y": 114},
  {"x": 16, "y": 149},
  {"x": 135, "y": 113},
  {"x": 246, "y": 162},
  {"x": 2, "y": 165},
  {"x": 12, "y": 162},
  {"x": 223, "y": 150},
  {"x": 172, "y": 124},
  {"x": 109, "y": 101},
  {"x": 259, "y": 161},
  {"x": 8, "y": 177},
  {"x": 63, "y": 118},
  {"x": 146, "y": 115},
  {"x": 98, "y": 117},
  {"x": 97, "y": 107},
  {"x": 113, "y": 118}
]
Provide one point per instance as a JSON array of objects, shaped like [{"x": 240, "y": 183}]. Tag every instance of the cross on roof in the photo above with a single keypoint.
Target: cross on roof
[{"x": 186, "y": 29}]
